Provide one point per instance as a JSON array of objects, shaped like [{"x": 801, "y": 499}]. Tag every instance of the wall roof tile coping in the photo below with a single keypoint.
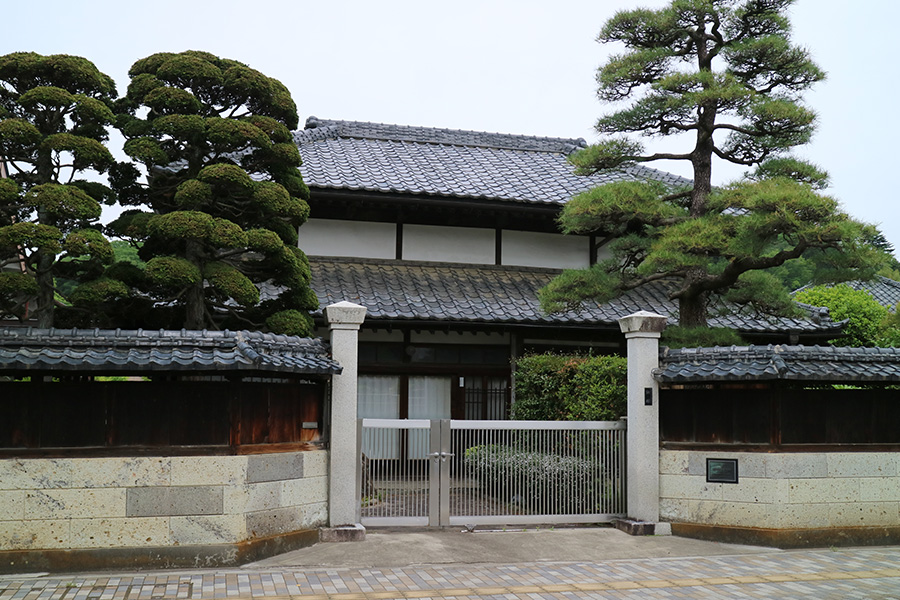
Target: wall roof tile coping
[
  {"x": 96, "y": 350},
  {"x": 779, "y": 362}
]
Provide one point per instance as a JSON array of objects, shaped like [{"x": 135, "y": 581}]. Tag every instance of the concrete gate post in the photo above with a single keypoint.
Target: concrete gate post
[
  {"x": 642, "y": 331},
  {"x": 344, "y": 319}
]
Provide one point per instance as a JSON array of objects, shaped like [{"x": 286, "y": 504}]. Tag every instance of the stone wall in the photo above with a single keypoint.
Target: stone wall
[
  {"x": 144, "y": 502},
  {"x": 804, "y": 490}
]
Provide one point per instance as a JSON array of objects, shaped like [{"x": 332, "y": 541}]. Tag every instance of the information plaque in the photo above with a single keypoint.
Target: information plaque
[{"x": 721, "y": 470}]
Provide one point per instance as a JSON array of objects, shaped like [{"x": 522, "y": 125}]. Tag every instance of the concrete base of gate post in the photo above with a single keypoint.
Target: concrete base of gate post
[
  {"x": 633, "y": 527},
  {"x": 345, "y": 533}
]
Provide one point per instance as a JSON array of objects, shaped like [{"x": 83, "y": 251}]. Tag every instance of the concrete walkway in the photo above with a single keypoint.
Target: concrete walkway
[
  {"x": 402, "y": 547},
  {"x": 570, "y": 564}
]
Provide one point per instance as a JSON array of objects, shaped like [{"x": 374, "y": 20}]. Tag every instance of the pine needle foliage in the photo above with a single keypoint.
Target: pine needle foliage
[
  {"x": 220, "y": 193},
  {"x": 54, "y": 114},
  {"x": 725, "y": 77}
]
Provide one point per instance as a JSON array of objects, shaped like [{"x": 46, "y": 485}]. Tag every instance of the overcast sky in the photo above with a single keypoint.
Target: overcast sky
[{"x": 511, "y": 66}]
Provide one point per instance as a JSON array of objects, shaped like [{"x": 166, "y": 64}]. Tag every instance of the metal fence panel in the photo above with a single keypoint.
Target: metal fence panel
[
  {"x": 492, "y": 472},
  {"x": 395, "y": 487},
  {"x": 521, "y": 472}
]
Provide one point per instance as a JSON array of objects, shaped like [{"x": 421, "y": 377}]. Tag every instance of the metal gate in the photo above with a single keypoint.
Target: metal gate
[{"x": 449, "y": 472}]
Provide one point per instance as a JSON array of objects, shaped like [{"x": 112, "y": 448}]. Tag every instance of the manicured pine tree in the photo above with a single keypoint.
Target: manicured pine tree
[{"x": 54, "y": 113}]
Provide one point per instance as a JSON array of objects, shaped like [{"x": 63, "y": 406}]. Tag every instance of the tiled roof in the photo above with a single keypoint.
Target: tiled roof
[
  {"x": 98, "y": 350},
  {"x": 885, "y": 291},
  {"x": 461, "y": 293},
  {"x": 352, "y": 155},
  {"x": 793, "y": 363}
]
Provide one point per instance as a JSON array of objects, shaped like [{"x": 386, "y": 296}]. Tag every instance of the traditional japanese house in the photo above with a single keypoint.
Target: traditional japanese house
[{"x": 446, "y": 236}]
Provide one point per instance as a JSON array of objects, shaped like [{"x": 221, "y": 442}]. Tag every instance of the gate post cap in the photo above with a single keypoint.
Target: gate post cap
[
  {"x": 345, "y": 313},
  {"x": 643, "y": 322}
]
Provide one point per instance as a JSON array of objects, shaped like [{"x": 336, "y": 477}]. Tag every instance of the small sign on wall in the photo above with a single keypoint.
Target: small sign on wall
[{"x": 721, "y": 470}]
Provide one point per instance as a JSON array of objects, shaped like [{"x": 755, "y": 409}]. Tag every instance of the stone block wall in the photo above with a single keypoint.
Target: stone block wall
[
  {"x": 808, "y": 490},
  {"x": 144, "y": 502}
]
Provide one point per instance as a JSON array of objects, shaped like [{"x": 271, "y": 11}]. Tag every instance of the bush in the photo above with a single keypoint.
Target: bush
[
  {"x": 865, "y": 316},
  {"x": 536, "y": 480},
  {"x": 552, "y": 387},
  {"x": 700, "y": 337}
]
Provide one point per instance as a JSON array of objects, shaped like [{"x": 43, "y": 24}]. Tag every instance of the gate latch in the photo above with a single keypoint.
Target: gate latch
[{"x": 441, "y": 455}]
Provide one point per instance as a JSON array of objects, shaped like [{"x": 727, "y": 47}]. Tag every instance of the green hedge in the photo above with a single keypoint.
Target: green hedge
[
  {"x": 551, "y": 387},
  {"x": 677, "y": 336}
]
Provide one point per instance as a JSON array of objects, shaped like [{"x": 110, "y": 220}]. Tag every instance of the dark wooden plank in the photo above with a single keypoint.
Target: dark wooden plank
[
  {"x": 18, "y": 410},
  {"x": 75, "y": 419}
]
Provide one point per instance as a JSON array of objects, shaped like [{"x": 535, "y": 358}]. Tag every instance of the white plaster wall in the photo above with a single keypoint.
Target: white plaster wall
[
  {"x": 604, "y": 253},
  {"x": 551, "y": 250},
  {"x": 467, "y": 245},
  {"x": 783, "y": 490},
  {"x": 361, "y": 239},
  {"x": 74, "y": 503}
]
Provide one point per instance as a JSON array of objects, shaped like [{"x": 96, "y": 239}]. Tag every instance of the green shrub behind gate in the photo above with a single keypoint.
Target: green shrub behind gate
[{"x": 552, "y": 387}]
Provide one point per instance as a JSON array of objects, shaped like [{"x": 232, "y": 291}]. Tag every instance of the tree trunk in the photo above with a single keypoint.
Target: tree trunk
[
  {"x": 692, "y": 302},
  {"x": 44, "y": 263},
  {"x": 195, "y": 311},
  {"x": 692, "y": 311},
  {"x": 46, "y": 297}
]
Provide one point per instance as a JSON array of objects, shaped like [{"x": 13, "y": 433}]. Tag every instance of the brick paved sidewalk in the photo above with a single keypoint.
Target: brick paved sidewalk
[{"x": 817, "y": 574}]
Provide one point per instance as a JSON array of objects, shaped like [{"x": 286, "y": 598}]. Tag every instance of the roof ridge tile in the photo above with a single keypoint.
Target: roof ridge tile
[{"x": 440, "y": 135}]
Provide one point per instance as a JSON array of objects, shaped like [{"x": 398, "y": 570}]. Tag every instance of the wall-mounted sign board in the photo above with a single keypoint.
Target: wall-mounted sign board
[{"x": 721, "y": 470}]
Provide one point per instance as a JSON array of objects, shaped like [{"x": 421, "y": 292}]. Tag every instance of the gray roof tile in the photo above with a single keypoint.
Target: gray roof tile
[
  {"x": 98, "y": 350},
  {"x": 885, "y": 291},
  {"x": 462, "y": 293},
  {"x": 447, "y": 162},
  {"x": 790, "y": 363}
]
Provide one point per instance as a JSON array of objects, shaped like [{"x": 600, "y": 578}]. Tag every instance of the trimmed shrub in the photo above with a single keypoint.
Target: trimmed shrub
[
  {"x": 551, "y": 387},
  {"x": 700, "y": 337},
  {"x": 865, "y": 316}
]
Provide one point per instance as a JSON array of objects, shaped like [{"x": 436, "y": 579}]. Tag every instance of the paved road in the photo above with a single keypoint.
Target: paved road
[{"x": 748, "y": 573}]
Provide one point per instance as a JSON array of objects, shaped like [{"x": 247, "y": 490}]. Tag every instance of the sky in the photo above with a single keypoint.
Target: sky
[{"x": 509, "y": 66}]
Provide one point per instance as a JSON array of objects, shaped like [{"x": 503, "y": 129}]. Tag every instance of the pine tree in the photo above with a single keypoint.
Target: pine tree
[
  {"x": 54, "y": 111},
  {"x": 724, "y": 74},
  {"x": 224, "y": 193}
]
